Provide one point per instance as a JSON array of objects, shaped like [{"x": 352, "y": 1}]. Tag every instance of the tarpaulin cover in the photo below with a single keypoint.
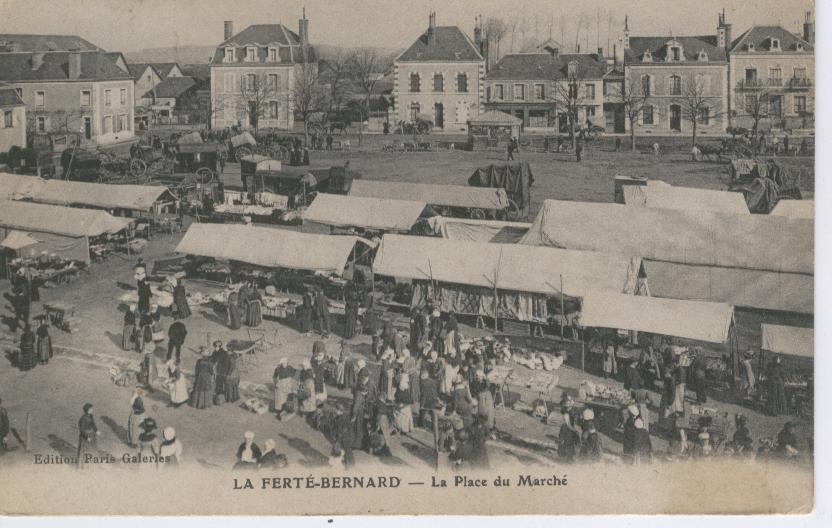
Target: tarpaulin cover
[
  {"x": 515, "y": 178},
  {"x": 59, "y": 220},
  {"x": 269, "y": 247},
  {"x": 132, "y": 197},
  {"x": 795, "y": 208},
  {"x": 372, "y": 213},
  {"x": 472, "y": 230},
  {"x": 661, "y": 195},
  {"x": 190, "y": 139},
  {"x": 761, "y": 195},
  {"x": 762, "y": 242},
  {"x": 510, "y": 267},
  {"x": 703, "y": 321},
  {"x": 789, "y": 340},
  {"x": 762, "y": 290},
  {"x": 441, "y": 195},
  {"x": 13, "y": 186},
  {"x": 16, "y": 240},
  {"x": 243, "y": 139}
]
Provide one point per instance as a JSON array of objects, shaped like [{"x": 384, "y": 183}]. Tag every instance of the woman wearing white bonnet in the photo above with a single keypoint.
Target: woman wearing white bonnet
[{"x": 170, "y": 449}]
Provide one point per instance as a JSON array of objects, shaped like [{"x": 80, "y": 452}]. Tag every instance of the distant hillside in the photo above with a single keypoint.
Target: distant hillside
[{"x": 180, "y": 54}]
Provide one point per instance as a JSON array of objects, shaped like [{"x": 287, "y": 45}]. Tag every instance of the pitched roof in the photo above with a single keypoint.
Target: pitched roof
[
  {"x": 262, "y": 36},
  {"x": 547, "y": 66},
  {"x": 789, "y": 340},
  {"x": 9, "y": 96},
  {"x": 761, "y": 37},
  {"x": 172, "y": 87},
  {"x": 99, "y": 195},
  {"x": 370, "y": 213},
  {"x": 95, "y": 66},
  {"x": 495, "y": 117},
  {"x": 441, "y": 195},
  {"x": 10, "y": 42},
  {"x": 690, "y": 45},
  {"x": 67, "y": 221},
  {"x": 451, "y": 44},
  {"x": 200, "y": 72}
]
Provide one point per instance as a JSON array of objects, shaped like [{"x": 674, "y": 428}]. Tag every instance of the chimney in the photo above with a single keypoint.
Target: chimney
[
  {"x": 432, "y": 28},
  {"x": 303, "y": 29},
  {"x": 478, "y": 34},
  {"x": 600, "y": 53},
  {"x": 723, "y": 31},
  {"x": 37, "y": 60},
  {"x": 228, "y": 29},
  {"x": 809, "y": 29},
  {"x": 74, "y": 66},
  {"x": 626, "y": 32},
  {"x": 490, "y": 52}
]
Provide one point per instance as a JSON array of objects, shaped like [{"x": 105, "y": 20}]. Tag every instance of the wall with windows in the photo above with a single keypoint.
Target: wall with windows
[
  {"x": 273, "y": 84},
  {"x": 457, "y": 86},
  {"x": 114, "y": 105},
  {"x": 12, "y": 127}
]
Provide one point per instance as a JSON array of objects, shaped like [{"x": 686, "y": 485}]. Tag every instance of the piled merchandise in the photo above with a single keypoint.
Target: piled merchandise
[
  {"x": 256, "y": 405},
  {"x": 600, "y": 393}
]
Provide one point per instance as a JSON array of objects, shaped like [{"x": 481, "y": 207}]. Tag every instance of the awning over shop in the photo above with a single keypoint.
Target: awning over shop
[
  {"x": 795, "y": 208},
  {"x": 505, "y": 266},
  {"x": 269, "y": 247},
  {"x": 703, "y": 321},
  {"x": 472, "y": 230},
  {"x": 789, "y": 340},
  {"x": 17, "y": 240},
  {"x": 68, "y": 221},
  {"x": 658, "y": 194},
  {"x": 441, "y": 195},
  {"x": 100, "y": 195},
  {"x": 760, "y": 242},
  {"x": 371, "y": 213}
]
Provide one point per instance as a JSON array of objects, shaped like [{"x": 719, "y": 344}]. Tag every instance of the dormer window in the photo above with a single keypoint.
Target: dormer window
[
  {"x": 572, "y": 70},
  {"x": 272, "y": 54},
  {"x": 229, "y": 54},
  {"x": 775, "y": 44},
  {"x": 251, "y": 53},
  {"x": 750, "y": 46},
  {"x": 647, "y": 57},
  {"x": 799, "y": 46},
  {"x": 675, "y": 53},
  {"x": 703, "y": 57}
]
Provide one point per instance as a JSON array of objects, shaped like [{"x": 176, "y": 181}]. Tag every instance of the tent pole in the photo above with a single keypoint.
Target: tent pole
[
  {"x": 583, "y": 366},
  {"x": 562, "y": 314}
]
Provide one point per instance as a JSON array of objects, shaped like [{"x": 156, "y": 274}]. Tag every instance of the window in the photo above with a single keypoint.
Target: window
[
  {"x": 108, "y": 97},
  {"x": 799, "y": 104},
  {"x": 272, "y": 54},
  {"x": 573, "y": 91},
  {"x": 122, "y": 123},
  {"x": 704, "y": 116},
  {"x": 751, "y": 75},
  {"x": 40, "y": 99},
  {"x": 675, "y": 85},
  {"x": 229, "y": 82},
  {"x": 647, "y": 115},
  {"x": 272, "y": 81},
  {"x": 250, "y": 54},
  {"x": 499, "y": 92},
  {"x": 462, "y": 82},
  {"x": 645, "y": 85},
  {"x": 750, "y": 104},
  {"x": 86, "y": 98},
  {"x": 539, "y": 92},
  {"x": 415, "y": 109},
  {"x": 229, "y": 54},
  {"x": 415, "y": 82},
  {"x": 800, "y": 73},
  {"x": 590, "y": 91},
  {"x": 438, "y": 82},
  {"x": 273, "y": 109},
  {"x": 123, "y": 95},
  {"x": 775, "y": 77},
  {"x": 251, "y": 80},
  {"x": 775, "y": 44},
  {"x": 107, "y": 125},
  {"x": 676, "y": 53},
  {"x": 8, "y": 119},
  {"x": 520, "y": 92},
  {"x": 590, "y": 111},
  {"x": 149, "y": 77},
  {"x": 41, "y": 124}
]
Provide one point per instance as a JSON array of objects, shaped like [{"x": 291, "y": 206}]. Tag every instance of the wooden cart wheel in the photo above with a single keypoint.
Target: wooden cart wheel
[
  {"x": 240, "y": 152},
  {"x": 204, "y": 175},
  {"x": 137, "y": 167},
  {"x": 513, "y": 210}
]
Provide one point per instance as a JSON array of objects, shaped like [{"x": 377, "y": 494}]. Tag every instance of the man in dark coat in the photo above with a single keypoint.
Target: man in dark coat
[
  {"x": 144, "y": 290},
  {"x": 26, "y": 359},
  {"x": 87, "y": 433},
  {"x": 417, "y": 330},
  {"x": 176, "y": 338},
  {"x": 322, "y": 312},
  {"x": 351, "y": 311},
  {"x": 428, "y": 396}
]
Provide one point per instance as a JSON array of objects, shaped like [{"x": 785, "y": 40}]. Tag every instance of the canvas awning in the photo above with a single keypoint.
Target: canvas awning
[
  {"x": 441, "y": 195},
  {"x": 191, "y": 138},
  {"x": 795, "y": 208},
  {"x": 703, "y": 321},
  {"x": 495, "y": 117},
  {"x": 473, "y": 230},
  {"x": 371, "y": 213},
  {"x": 130, "y": 197},
  {"x": 508, "y": 266},
  {"x": 67, "y": 221},
  {"x": 15, "y": 186},
  {"x": 243, "y": 139},
  {"x": 789, "y": 340},
  {"x": 761, "y": 242},
  {"x": 658, "y": 194},
  {"x": 269, "y": 247},
  {"x": 17, "y": 240}
]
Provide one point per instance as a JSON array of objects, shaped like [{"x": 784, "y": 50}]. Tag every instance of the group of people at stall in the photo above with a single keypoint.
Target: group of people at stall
[
  {"x": 216, "y": 378},
  {"x": 244, "y": 305}
]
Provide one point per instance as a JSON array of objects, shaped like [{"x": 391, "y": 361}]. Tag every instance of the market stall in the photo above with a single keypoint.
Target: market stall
[
  {"x": 515, "y": 178},
  {"x": 473, "y": 230},
  {"x": 492, "y": 129},
  {"x": 658, "y": 194},
  {"x": 795, "y": 348},
  {"x": 297, "y": 186},
  {"x": 252, "y": 163},
  {"x": 340, "y": 211}
]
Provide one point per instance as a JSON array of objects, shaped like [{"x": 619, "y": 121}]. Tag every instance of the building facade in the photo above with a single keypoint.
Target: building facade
[
  {"x": 12, "y": 119},
  {"x": 775, "y": 66},
  {"x": 89, "y": 92},
  {"x": 254, "y": 72},
  {"x": 149, "y": 75},
  {"x": 441, "y": 76},
  {"x": 683, "y": 78}
]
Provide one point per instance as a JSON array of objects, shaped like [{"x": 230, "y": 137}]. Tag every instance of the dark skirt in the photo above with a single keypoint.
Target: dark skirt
[
  {"x": 254, "y": 314},
  {"x": 183, "y": 311},
  {"x": 777, "y": 399},
  {"x": 567, "y": 444},
  {"x": 44, "y": 349},
  {"x": 234, "y": 321},
  {"x": 27, "y": 357},
  {"x": 201, "y": 399},
  {"x": 232, "y": 390},
  {"x": 127, "y": 337}
]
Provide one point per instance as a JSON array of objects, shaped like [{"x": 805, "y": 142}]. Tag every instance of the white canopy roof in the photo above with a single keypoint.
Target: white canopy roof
[
  {"x": 703, "y": 321},
  {"x": 510, "y": 266},
  {"x": 372, "y": 213},
  {"x": 17, "y": 240},
  {"x": 67, "y": 221},
  {"x": 764, "y": 242},
  {"x": 795, "y": 208},
  {"x": 789, "y": 340},
  {"x": 269, "y": 247},
  {"x": 474, "y": 230},
  {"x": 106, "y": 196},
  {"x": 441, "y": 195},
  {"x": 658, "y": 194},
  {"x": 14, "y": 186}
]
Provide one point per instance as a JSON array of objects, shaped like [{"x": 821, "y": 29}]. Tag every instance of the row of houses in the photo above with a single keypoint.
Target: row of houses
[{"x": 451, "y": 78}]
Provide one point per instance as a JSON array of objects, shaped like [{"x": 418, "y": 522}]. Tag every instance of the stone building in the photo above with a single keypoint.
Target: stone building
[{"x": 12, "y": 119}]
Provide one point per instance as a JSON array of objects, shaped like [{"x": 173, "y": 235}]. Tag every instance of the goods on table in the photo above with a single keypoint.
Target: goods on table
[
  {"x": 537, "y": 361},
  {"x": 600, "y": 393},
  {"x": 253, "y": 210}
]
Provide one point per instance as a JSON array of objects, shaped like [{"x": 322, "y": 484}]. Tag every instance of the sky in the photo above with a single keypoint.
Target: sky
[{"x": 130, "y": 25}]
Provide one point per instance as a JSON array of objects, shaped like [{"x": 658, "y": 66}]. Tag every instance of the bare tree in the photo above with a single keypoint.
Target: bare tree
[
  {"x": 513, "y": 22},
  {"x": 308, "y": 95},
  {"x": 335, "y": 75},
  {"x": 755, "y": 106},
  {"x": 258, "y": 97},
  {"x": 568, "y": 96},
  {"x": 634, "y": 98},
  {"x": 695, "y": 105},
  {"x": 495, "y": 30},
  {"x": 366, "y": 69}
]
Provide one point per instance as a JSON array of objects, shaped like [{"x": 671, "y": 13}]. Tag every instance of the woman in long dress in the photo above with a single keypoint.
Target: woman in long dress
[
  {"x": 27, "y": 349},
  {"x": 148, "y": 372},
  {"x": 306, "y": 390},
  {"x": 306, "y": 310},
  {"x": 180, "y": 300},
  {"x": 233, "y": 310},
  {"x": 178, "y": 386},
  {"x": 135, "y": 419},
  {"x": 254, "y": 311},
  {"x": 44, "y": 341},
  {"x": 481, "y": 390},
  {"x": 776, "y": 398},
  {"x": 232, "y": 379},
  {"x": 202, "y": 396},
  {"x": 284, "y": 383},
  {"x": 449, "y": 371},
  {"x": 128, "y": 332},
  {"x": 386, "y": 387}
]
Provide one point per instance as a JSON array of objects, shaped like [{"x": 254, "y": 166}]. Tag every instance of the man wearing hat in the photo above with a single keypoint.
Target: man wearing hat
[
  {"x": 148, "y": 443},
  {"x": 140, "y": 273}
]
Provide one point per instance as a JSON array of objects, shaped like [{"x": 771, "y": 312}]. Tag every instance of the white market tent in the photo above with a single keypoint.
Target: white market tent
[
  {"x": 269, "y": 247},
  {"x": 439, "y": 195},
  {"x": 760, "y": 242},
  {"x": 15, "y": 186},
  {"x": 702, "y": 321},
  {"x": 658, "y": 194},
  {"x": 789, "y": 340},
  {"x": 475, "y": 230},
  {"x": 17, "y": 240},
  {"x": 371, "y": 213},
  {"x": 141, "y": 198},
  {"x": 795, "y": 209}
]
